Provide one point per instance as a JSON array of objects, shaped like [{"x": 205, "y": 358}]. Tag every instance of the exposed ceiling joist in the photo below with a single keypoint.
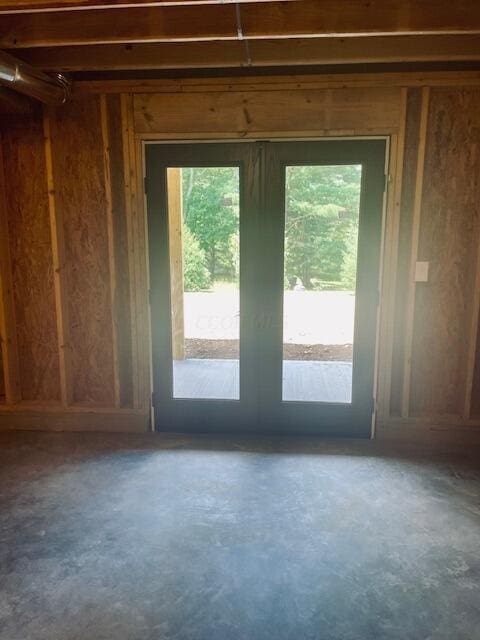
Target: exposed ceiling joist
[
  {"x": 262, "y": 53},
  {"x": 47, "y": 6},
  {"x": 305, "y": 18}
]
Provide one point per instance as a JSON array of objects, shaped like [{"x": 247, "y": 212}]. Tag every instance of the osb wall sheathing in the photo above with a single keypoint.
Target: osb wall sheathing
[
  {"x": 72, "y": 174},
  {"x": 27, "y": 217}
]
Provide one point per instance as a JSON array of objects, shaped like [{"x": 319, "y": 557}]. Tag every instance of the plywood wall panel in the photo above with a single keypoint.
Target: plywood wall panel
[
  {"x": 414, "y": 104},
  {"x": 448, "y": 241},
  {"x": 31, "y": 259},
  {"x": 121, "y": 297},
  {"x": 79, "y": 178},
  {"x": 102, "y": 233},
  {"x": 256, "y": 111}
]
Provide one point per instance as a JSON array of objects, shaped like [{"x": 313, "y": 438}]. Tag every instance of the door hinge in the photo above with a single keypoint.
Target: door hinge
[
  {"x": 153, "y": 399},
  {"x": 145, "y": 185}
]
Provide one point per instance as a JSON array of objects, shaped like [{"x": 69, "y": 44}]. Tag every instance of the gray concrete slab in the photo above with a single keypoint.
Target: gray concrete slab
[{"x": 112, "y": 537}]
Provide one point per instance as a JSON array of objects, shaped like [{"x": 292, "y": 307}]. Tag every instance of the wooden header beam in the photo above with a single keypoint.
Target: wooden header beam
[
  {"x": 262, "y": 53},
  {"x": 47, "y": 6},
  {"x": 303, "y": 18},
  {"x": 274, "y": 82}
]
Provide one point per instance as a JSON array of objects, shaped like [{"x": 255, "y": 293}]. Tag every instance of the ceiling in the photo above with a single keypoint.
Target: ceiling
[{"x": 126, "y": 35}]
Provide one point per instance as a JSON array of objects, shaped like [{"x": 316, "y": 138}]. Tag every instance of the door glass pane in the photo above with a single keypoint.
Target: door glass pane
[
  {"x": 321, "y": 238},
  {"x": 203, "y": 211}
]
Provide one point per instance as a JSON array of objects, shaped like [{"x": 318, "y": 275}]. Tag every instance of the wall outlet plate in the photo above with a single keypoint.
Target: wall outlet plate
[{"x": 421, "y": 271}]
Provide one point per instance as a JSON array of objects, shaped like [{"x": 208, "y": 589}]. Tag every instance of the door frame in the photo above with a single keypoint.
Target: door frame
[{"x": 215, "y": 420}]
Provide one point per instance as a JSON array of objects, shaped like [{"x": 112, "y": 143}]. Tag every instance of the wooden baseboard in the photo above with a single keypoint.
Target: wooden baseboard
[
  {"x": 418, "y": 434},
  {"x": 423, "y": 434},
  {"x": 114, "y": 421}
]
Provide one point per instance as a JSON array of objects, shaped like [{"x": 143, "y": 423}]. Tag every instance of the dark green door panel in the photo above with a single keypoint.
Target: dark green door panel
[{"x": 262, "y": 168}]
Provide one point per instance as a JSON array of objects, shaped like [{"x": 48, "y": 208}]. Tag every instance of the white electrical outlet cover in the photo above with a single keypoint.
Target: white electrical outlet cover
[{"x": 421, "y": 271}]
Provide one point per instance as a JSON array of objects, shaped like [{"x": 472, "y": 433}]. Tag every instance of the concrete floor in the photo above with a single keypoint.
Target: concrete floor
[
  {"x": 148, "y": 537},
  {"x": 305, "y": 381}
]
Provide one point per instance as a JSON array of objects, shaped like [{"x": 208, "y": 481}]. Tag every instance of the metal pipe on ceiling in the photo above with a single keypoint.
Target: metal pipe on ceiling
[
  {"x": 241, "y": 35},
  {"x": 22, "y": 77}
]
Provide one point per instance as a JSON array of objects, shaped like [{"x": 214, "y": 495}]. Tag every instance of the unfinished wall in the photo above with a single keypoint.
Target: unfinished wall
[
  {"x": 449, "y": 241},
  {"x": 66, "y": 310},
  {"x": 74, "y": 316},
  {"x": 435, "y": 365},
  {"x": 28, "y": 222},
  {"x": 81, "y": 204}
]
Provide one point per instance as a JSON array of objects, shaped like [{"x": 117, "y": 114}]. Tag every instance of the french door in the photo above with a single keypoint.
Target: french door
[{"x": 264, "y": 266}]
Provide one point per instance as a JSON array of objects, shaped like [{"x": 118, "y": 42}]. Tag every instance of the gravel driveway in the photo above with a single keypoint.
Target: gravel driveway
[{"x": 311, "y": 317}]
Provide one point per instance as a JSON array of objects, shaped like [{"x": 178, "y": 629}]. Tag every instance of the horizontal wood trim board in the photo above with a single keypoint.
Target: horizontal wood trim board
[
  {"x": 452, "y": 437},
  {"x": 273, "y": 83},
  {"x": 258, "y": 20},
  {"x": 261, "y": 53},
  {"x": 116, "y": 421},
  {"x": 225, "y": 136},
  {"x": 262, "y": 110}
]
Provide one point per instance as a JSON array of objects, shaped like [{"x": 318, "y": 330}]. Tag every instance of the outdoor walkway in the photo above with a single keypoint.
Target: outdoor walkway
[{"x": 307, "y": 381}]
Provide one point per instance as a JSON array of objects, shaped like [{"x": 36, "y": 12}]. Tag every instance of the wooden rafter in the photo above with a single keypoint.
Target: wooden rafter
[
  {"x": 47, "y": 6},
  {"x": 261, "y": 53},
  {"x": 304, "y": 18}
]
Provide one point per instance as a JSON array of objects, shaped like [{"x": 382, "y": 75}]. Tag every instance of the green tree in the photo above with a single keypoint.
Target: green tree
[
  {"x": 210, "y": 204},
  {"x": 195, "y": 273},
  {"x": 322, "y": 205},
  {"x": 349, "y": 267}
]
